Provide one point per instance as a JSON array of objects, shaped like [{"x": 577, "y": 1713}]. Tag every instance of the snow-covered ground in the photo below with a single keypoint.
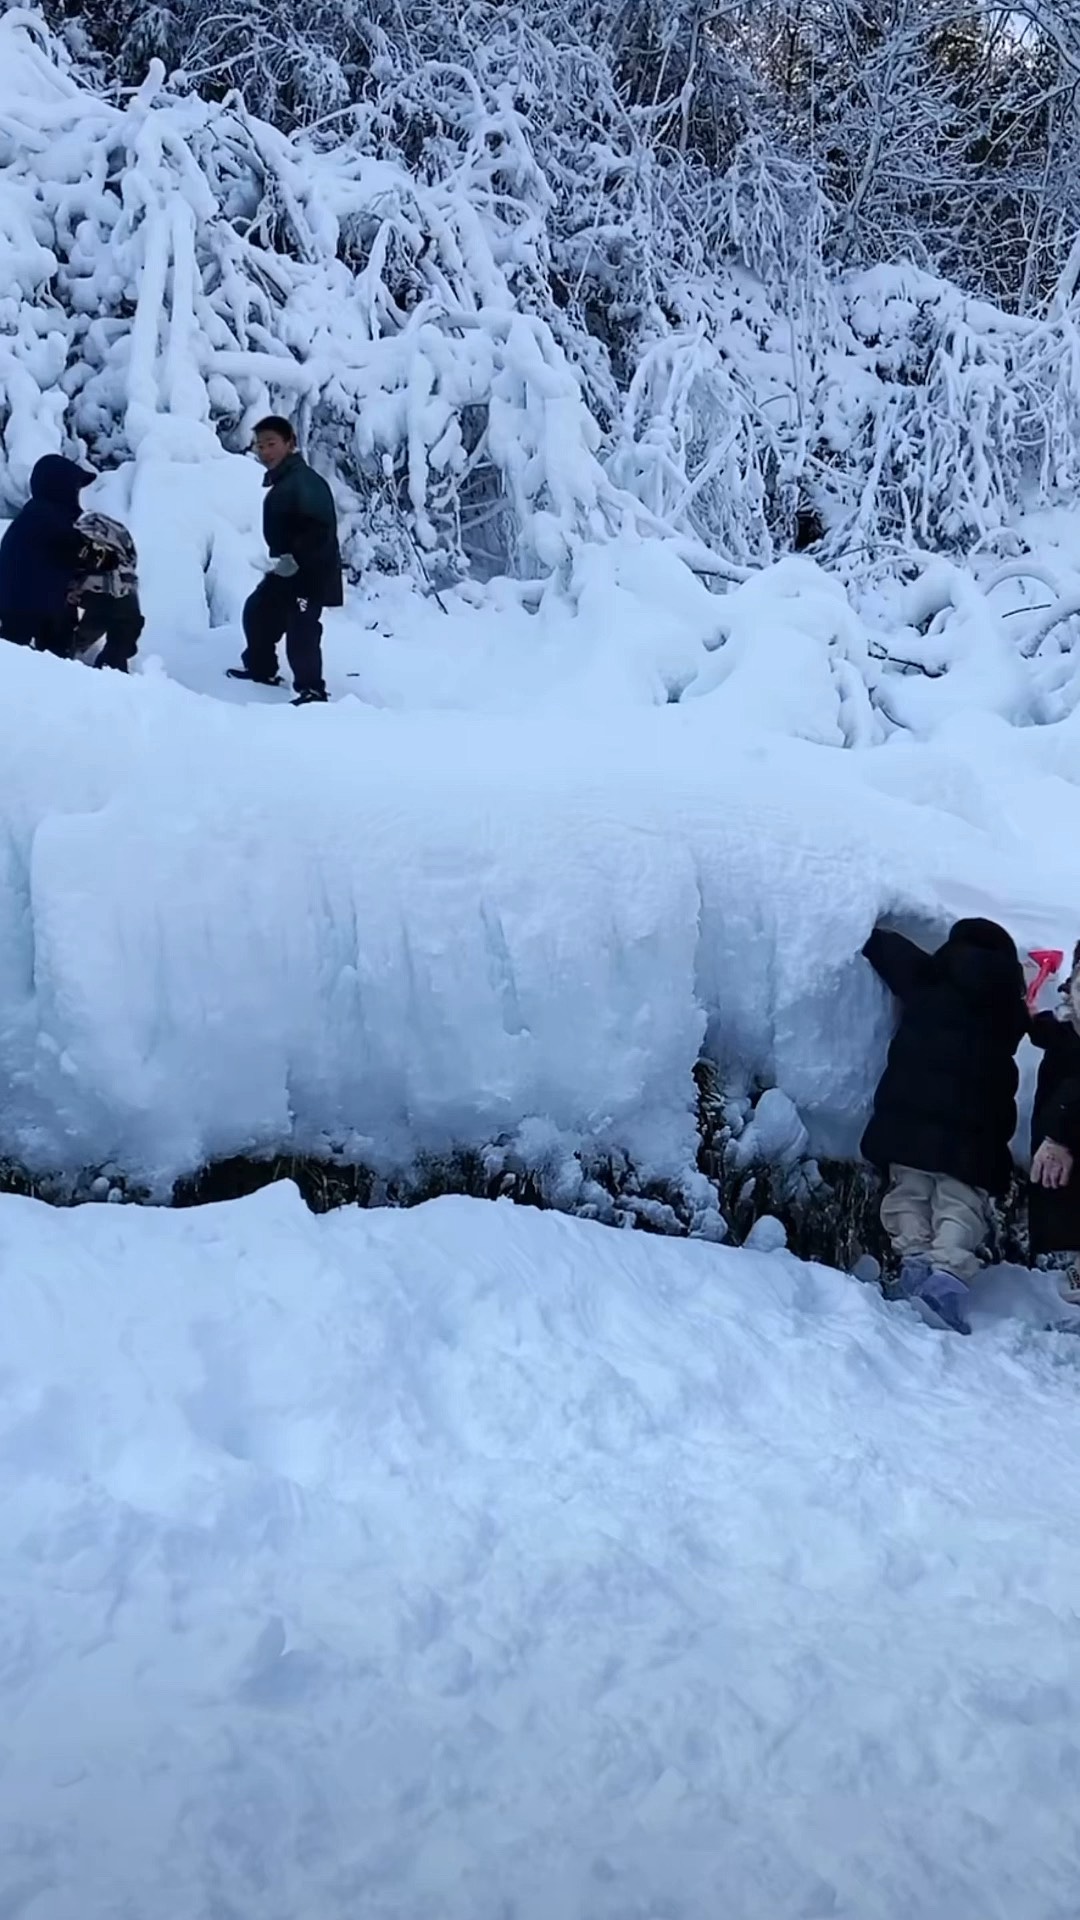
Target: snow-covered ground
[
  {"x": 472, "y": 1564},
  {"x": 479, "y": 1564}
]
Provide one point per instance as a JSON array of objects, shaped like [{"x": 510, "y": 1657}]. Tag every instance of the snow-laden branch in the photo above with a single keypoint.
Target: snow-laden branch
[{"x": 508, "y": 317}]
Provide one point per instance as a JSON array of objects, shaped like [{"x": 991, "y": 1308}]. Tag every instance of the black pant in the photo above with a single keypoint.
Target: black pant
[
  {"x": 119, "y": 618},
  {"x": 276, "y": 611},
  {"x": 48, "y": 632},
  {"x": 116, "y": 617}
]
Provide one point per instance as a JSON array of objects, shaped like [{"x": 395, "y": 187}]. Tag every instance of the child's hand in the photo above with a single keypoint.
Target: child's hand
[{"x": 1052, "y": 1165}]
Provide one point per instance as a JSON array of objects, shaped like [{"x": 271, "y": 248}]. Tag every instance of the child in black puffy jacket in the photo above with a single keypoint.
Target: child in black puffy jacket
[{"x": 945, "y": 1109}]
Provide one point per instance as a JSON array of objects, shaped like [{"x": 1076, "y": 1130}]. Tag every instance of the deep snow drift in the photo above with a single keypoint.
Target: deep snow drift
[
  {"x": 478, "y": 1564},
  {"x": 513, "y": 888}
]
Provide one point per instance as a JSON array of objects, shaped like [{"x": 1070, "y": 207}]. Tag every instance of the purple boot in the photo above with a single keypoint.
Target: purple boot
[{"x": 941, "y": 1298}]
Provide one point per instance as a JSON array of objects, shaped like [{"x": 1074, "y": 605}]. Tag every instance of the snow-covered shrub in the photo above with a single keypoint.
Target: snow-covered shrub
[
  {"x": 180, "y": 266},
  {"x": 955, "y": 410}
]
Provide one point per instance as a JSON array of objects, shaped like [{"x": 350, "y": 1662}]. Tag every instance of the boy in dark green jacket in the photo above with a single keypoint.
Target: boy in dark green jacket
[{"x": 300, "y": 530}]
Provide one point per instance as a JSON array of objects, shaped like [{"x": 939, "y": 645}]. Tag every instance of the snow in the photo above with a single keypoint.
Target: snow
[
  {"x": 519, "y": 873},
  {"x": 558, "y": 832},
  {"x": 775, "y": 1136},
  {"x": 474, "y": 1562},
  {"x": 465, "y": 1563},
  {"x": 470, "y": 1563}
]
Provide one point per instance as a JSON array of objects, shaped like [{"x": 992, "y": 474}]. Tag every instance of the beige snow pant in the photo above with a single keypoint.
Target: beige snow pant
[{"x": 930, "y": 1214}]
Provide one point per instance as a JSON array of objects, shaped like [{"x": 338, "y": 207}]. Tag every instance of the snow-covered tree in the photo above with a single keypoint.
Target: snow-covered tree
[{"x": 529, "y": 275}]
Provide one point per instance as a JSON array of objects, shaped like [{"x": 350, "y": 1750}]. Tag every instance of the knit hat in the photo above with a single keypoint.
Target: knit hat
[{"x": 985, "y": 934}]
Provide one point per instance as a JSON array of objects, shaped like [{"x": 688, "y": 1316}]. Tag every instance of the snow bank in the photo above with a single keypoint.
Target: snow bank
[
  {"x": 235, "y": 928},
  {"x": 223, "y": 935},
  {"x": 469, "y": 1562},
  {"x": 512, "y": 891}
]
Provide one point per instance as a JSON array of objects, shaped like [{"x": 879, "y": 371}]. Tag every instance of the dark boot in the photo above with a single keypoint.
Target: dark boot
[
  {"x": 941, "y": 1299},
  {"x": 256, "y": 679},
  {"x": 55, "y": 633}
]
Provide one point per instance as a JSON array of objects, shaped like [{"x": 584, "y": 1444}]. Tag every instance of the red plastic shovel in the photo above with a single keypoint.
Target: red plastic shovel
[{"x": 1048, "y": 960}]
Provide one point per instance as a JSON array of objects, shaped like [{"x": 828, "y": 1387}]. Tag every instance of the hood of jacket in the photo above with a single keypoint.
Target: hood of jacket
[
  {"x": 59, "y": 481},
  {"x": 982, "y": 959}
]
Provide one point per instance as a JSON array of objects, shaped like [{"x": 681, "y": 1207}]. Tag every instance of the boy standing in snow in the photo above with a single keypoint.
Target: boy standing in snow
[
  {"x": 300, "y": 530},
  {"x": 945, "y": 1109},
  {"x": 1054, "y": 1202},
  {"x": 55, "y": 559}
]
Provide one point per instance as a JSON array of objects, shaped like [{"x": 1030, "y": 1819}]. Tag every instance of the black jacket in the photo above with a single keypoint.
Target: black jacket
[
  {"x": 946, "y": 1102},
  {"x": 1054, "y": 1217},
  {"x": 299, "y": 517},
  {"x": 41, "y": 553}
]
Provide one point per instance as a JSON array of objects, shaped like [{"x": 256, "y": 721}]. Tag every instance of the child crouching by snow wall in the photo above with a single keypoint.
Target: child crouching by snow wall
[{"x": 945, "y": 1108}]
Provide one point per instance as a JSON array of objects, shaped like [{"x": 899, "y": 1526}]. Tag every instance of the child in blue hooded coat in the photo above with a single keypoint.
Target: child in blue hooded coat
[{"x": 51, "y": 564}]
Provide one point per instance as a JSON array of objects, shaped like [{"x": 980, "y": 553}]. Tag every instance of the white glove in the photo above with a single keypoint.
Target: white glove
[{"x": 286, "y": 567}]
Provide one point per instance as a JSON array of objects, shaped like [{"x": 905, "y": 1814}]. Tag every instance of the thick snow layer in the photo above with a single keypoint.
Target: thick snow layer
[
  {"x": 528, "y": 861},
  {"x": 224, "y": 928},
  {"x": 474, "y": 1563},
  {"x": 565, "y": 831},
  {"x": 517, "y": 873}
]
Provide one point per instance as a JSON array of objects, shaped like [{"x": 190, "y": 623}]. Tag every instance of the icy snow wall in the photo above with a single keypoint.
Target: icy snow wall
[{"x": 238, "y": 929}]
